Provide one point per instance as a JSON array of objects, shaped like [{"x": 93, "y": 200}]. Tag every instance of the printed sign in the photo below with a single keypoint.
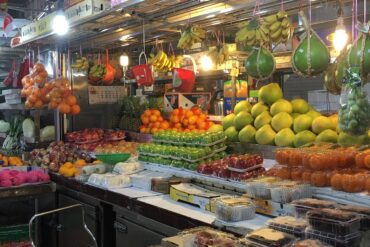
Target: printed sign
[
  {"x": 38, "y": 28},
  {"x": 105, "y": 95}
]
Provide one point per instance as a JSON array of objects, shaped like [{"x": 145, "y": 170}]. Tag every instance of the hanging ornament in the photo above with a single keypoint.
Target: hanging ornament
[
  {"x": 359, "y": 53},
  {"x": 8, "y": 25},
  {"x": 260, "y": 64},
  {"x": 311, "y": 57}
]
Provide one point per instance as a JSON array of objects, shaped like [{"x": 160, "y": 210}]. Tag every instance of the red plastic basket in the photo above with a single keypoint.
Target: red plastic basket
[
  {"x": 184, "y": 79},
  {"x": 143, "y": 73}
]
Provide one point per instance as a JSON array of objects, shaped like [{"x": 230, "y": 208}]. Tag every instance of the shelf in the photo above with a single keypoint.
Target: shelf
[
  {"x": 26, "y": 190},
  {"x": 5, "y": 106}
]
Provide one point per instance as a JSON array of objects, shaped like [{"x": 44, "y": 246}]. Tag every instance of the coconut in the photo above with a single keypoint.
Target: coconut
[
  {"x": 359, "y": 53},
  {"x": 311, "y": 57},
  {"x": 260, "y": 64}
]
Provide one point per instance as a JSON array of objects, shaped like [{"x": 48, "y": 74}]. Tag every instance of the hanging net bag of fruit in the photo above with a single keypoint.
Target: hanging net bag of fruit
[
  {"x": 359, "y": 53},
  {"x": 354, "y": 114},
  {"x": 311, "y": 57}
]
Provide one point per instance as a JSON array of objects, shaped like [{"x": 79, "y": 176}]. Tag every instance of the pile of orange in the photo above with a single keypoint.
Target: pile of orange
[
  {"x": 189, "y": 120},
  {"x": 153, "y": 121},
  {"x": 56, "y": 94}
]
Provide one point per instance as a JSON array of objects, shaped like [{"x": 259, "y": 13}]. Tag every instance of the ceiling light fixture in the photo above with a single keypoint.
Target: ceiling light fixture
[{"x": 60, "y": 25}]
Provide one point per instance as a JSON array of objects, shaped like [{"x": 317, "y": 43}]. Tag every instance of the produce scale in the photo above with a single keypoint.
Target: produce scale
[{"x": 187, "y": 123}]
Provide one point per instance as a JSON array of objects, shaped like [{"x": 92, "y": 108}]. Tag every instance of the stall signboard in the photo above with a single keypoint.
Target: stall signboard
[
  {"x": 85, "y": 9},
  {"x": 38, "y": 28}
]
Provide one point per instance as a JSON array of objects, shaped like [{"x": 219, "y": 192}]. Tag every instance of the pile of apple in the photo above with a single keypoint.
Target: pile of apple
[
  {"x": 234, "y": 167},
  {"x": 57, "y": 94},
  {"x": 57, "y": 154}
]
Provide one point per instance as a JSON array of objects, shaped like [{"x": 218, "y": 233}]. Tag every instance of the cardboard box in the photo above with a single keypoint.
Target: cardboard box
[
  {"x": 271, "y": 208},
  {"x": 194, "y": 195}
]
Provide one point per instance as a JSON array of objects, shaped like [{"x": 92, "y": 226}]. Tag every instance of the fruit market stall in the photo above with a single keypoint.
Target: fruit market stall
[{"x": 190, "y": 123}]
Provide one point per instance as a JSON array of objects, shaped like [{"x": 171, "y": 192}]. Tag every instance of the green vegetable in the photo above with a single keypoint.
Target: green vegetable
[
  {"x": 4, "y": 126},
  {"x": 47, "y": 133},
  {"x": 28, "y": 127},
  {"x": 12, "y": 140}
]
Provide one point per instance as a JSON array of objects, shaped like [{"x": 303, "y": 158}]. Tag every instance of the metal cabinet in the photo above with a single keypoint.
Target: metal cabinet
[{"x": 71, "y": 232}]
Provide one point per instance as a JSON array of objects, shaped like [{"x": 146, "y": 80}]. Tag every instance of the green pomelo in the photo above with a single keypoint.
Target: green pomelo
[
  {"x": 242, "y": 106},
  {"x": 265, "y": 135},
  {"x": 303, "y": 138},
  {"x": 270, "y": 93},
  {"x": 295, "y": 115},
  {"x": 247, "y": 134},
  {"x": 313, "y": 114},
  {"x": 319, "y": 54},
  {"x": 261, "y": 66},
  {"x": 281, "y": 105},
  {"x": 231, "y": 134},
  {"x": 284, "y": 138},
  {"x": 356, "y": 52},
  {"x": 215, "y": 128},
  {"x": 345, "y": 139},
  {"x": 328, "y": 136},
  {"x": 301, "y": 123},
  {"x": 228, "y": 121},
  {"x": 258, "y": 108},
  {"x": 322, "y": 123},
  {"x": 300, "y": 106},
  {"x": 281, "y": 121},
  {"x": 262, "y": 119},
  {"x": 242, "y": 119}
]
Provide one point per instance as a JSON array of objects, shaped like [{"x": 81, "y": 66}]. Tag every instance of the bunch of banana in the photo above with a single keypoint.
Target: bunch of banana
[
  {"x": 163, "y": 63},
  {"x": 279, "y": 26},
  {"x": 97, "y": 71},
  {"x": 81, "y": 63},
  {"x": 219, "y": 54},
  {"x": 190, "y": 36},
  {"x": 253, "y": 33}
]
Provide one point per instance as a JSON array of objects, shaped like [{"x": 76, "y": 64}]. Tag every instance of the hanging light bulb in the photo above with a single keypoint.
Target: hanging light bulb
[
  {"x": 60, "y": 24},
  {"x": 206, "y": 62},
  {"x": 340, "y": 37},
  {"x": 124, "y": 60}
]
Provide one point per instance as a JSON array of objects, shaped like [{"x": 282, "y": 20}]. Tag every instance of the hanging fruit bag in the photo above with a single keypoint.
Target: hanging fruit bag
[
  {"x": 143, "y": 73},
  {"x": 110, "y": 71},
  {"x": 11, "y": 79},
  {"x": 354, "y": 114},
  {"x": 311, "y": 57},
  {"x": 184, "y": 79},
  {"x": 260, "y": 64}
]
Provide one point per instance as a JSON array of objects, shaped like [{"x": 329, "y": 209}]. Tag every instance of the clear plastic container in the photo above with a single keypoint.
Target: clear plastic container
[
  {"x": 235, "y": 209},
  {"x": 260, "y": 188},
  {"x": 270, "y": 237},
  {"x": 334, "y": 221},
  {"x": 302, "y": 206},
  {"x": 289, "y": 225},
  {"x": 287, "y": 191},
  {"x": 112, "y": 181},
  {"x": 206, "y": 236},
  {"x": 351, "y": 240},
  {"x": 128, "y": 167},
  {"x": 309, "y": 243},
  {"x": 363, "y": 212},
  {"x": 243, "y": 162},
  {"x": 143, "y": 180}
]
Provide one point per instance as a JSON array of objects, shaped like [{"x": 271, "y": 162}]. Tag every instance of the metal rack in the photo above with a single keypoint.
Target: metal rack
[{"x": 34, "y": 218}]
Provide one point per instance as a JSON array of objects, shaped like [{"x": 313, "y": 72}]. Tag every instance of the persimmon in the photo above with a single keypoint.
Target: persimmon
[
  {"x": 75, "y": 109},
  {"x": 71, "y": 100},
  {"x": 39, "y": 80},
  {"x": 283, "y": 172},
  {"x": 336, "y": 181},
  {"x": 165, "y": 125},
  {"x": 28, "y": 104},
  {"x": 154, "y": 130},
  {"x": 368, "y": 185},
  {"x": 144, "y": 119},
  {"x": 156, "y": 112},
  {"x": 160, "y": 119},
  {"x": 189, "y": 114},
  {"x": 64, "y": 108},
  {"x": 175, "y": 112},
  {"x": 38, "y": 104},
  {"x": 192, "y": 120},
  {"x": 53, "y": 105},
  {"x": 177, "y": 125},
  {"x": 353, "y": 183},
  {"x": 175, "y": 119},
  {"x": 39, "y": 67},
  {"x": 319, "y": 179},
  {"x": 296, "y": 174},
  {"x": 157, "y": 124},
  {"x": 367, "y": 161},
  {"x": 147, "y": 113},
  {"x": 185, "y": 122},
  {"x": 153, "y": 118},
  {"x": 32, "y": 98},
  {"x": 201, "y": 125},
  {"x": 306, "y": 176}
]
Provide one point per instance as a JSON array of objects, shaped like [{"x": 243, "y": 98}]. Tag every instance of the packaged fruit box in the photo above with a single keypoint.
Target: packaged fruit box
[{"x": 189, "y": 138}]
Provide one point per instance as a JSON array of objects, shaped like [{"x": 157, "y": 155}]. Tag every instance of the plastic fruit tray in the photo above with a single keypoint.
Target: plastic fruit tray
[{"x": 113, "y": 159}]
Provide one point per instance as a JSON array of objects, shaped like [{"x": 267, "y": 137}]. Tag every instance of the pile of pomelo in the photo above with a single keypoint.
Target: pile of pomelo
[{"x": 277, "y": 121}]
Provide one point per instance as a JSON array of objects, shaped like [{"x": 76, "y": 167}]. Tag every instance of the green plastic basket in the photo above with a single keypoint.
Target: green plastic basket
[
  {"x": 13, "y": 233},
  {"x": 113, "y": 159}
]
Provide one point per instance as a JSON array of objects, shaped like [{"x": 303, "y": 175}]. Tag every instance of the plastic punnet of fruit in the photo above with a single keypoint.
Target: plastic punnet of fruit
[{"x": 354, "y": 115}]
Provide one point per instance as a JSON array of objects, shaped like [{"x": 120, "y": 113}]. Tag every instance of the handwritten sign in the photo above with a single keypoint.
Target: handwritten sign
[{"x": 38, "y": 28}]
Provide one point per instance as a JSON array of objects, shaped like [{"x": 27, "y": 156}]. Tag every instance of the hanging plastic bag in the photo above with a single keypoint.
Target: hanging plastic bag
[
  {"x": 143, "y": 73},
  {"x": 354, "y": 115},
  {"x": 184, "y": 79},
  {"x": 24, "y": 69},
  {"x": 110, "y": 71},
  {"x": 11, "y": 79}
]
